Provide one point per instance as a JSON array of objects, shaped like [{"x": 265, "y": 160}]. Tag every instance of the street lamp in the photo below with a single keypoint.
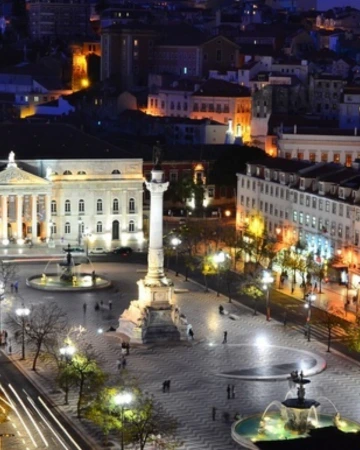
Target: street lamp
[
  {"x": 66, "y": 353},
  {"x": 80, "y": 222},
  {"x": 23, "y": 313},
  {"x": 310, "y": 299},
  {"x": 122, "y": 400},
  {"x": 175, "y": 242},
  {"x": 219, "y": 258},
  {"x": 267, "y": 280}
]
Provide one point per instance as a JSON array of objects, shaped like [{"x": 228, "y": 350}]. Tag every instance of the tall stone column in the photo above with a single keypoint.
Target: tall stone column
[
  {"x": 34, "y": 216},
  {"x": 4, "y": 207},
  {"x": 157, "y": 187},
  {"x": 19, "y": 213}
]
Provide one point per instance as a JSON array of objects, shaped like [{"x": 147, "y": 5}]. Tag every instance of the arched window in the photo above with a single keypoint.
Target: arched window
[
  {"x": 99, "y": 206},
  {"x": 99, "y": 227},
  {"x": 53, "y": 207},
  {"x": 81, "y": 172},
  {"x": 115, "y": 172},
  {"x": 53, "y": 229},
  {"x": 132, "y": 205},
  {"x": 67, "y": 206},
  {"x": 67, "y": 172},
  {"x": 81, "y": 206},
  {"x": 131, "y": 226},
  {"x": 67, "y": 228},
  {"x": 115, "y": 205}
]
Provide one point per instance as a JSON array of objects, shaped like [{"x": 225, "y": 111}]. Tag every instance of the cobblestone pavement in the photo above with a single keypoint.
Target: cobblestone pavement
[{"x": 192, "y": 367}]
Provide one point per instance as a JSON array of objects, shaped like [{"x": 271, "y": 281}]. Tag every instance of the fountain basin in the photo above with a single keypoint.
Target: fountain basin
[
  {"x": 246, "y": 431},
  {"x": 53, "y": 282}
]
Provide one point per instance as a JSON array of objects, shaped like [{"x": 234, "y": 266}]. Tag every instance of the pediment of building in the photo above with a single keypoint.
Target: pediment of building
[{"x": 14, "y": 176}]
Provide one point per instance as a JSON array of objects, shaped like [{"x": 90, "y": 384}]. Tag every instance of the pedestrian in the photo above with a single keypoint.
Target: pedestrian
[
  {"x": 191, "y": 334},
  {"x": 225, "y": 337},
  {"x": 346, "y": 307},
  {"x": 164, "y": 385},
  {"x": 292, "y": 289},
  {"x": 123, "y": 363},
  {"x": 213, "y": 413},
  {"x": 228, "y": 390},
  {"x": 97, "y": 307},
  {"x": 110, "y": 305},
  {"x": 84, "y": 307},
  {"x": 16, "y": 286},
  {"x": 221, "y": 310},
  {"x": 233, "y": 391},
  {"x": 12, "y": 287}
]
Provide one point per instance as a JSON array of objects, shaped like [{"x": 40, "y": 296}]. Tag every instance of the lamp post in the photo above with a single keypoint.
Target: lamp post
[
  {"x": 175, "y": 241},
  {"x": 22, "y": 313},
  {"x": 219, "y": 258},
  {"x": 267, "y": 280},
  {"x": 310, "y": 298},
  {"x": 80, "y": 222},
  {"x": 122, "y": 400},
  {"x": 66, "y": 353}
]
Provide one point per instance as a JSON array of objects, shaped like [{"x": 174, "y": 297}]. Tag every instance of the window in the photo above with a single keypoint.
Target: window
[
  {"x": 99, "y": 206},
  {"x": 99, "y": 227},
  {"x": 81, "y": 206},
  {"x": 173, "y": 176},
  {"x": 348, "y": 212},
  {"x": 307, "y": 220},
  {"x": 340, "y": 230},
  {"x": 131, "y": 205},
  {"x": 348, "y": 160},
  {"x": 334, "y": 208},
  {"x": 81, "y": 172},
  {"x": 314, "y": 202},
  {"x": 327, "y": 206},
  {"x": 67, "y": 172},
  {"x": 313, "y": 222},
  {"x": 67, "y": 206},
  {"x": 336, "y": 157},
  {"x": 53, "y": 229},
  {"x": 67, "y": 228},
  {"x": 301, "y": 199},
  {"x": 307, "y": 200},
  {"x": 53, "y": 207},
  {"x": 320, "y": 205},
  {"x": 301, "y": 218},
  {"x": 324, "y": 157},
  {"x": 115, "y": 205},
  {"x": 271, "y": 208},
  {"x": 115, "y": 172},
  {"x": 131, "y": 226},
  {"x": 218, "y": 55},
  {"x": 312, "y": 157},
  {"x": 211, "y": 193},
  {"x": 341, "y": 210}
]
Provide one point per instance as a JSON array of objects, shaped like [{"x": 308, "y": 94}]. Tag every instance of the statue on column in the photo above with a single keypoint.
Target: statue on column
[{"x": 157, "y": 155}]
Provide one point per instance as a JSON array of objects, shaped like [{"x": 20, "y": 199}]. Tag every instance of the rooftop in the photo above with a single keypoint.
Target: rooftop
[
  {"x": 221, "y": 88},
  {"x": 282, "y": 164}
]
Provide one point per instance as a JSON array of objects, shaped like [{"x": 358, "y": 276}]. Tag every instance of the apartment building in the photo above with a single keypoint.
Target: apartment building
[{"x": 318, "y": 204}]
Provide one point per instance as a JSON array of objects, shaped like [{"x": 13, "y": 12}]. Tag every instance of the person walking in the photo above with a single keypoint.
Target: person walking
[
  {"x": 191, "y": 334},
  {"x": 84, "y": 308},
  {"x": 225, "y": 337},
  {"x": 110, "y": 305},
  {"x": 228, "y": 390},
  {"x": 164, "y": 385},
  {"x": 213, "y": 413},
  {"x": 16, "y": 286}
]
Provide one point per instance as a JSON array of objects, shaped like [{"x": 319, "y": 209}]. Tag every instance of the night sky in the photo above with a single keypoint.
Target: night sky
[{"x": 326, "y": 4}]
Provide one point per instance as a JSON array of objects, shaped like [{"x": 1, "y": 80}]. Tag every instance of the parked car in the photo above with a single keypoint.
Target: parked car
[
  {"x": 124, "y": 251},
  {"x": 97, "y": 251},
  {"x": 74, "y": 250}
]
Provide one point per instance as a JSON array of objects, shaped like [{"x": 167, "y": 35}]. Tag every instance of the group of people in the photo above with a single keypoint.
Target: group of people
[{"x": 101, "y": 306}]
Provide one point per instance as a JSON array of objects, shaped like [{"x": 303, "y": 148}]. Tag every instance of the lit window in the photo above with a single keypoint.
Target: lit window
[
  {"x": 36, "y": 99},
  {"x": 67, "y": 228},
  {"x": 99, "y": 227}
]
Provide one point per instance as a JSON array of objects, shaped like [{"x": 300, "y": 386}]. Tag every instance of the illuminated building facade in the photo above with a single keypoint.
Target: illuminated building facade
[{"x": 78, "y": 199}]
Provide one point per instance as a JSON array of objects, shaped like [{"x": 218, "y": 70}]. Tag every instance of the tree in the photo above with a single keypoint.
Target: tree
[
  {"x": 353, "y": 338},
  {"x": 8, "y": 272},
  {"x": 208, "y": 268},
  {"x": 147, "y": 423},
  {"x": 251, "y": 285},
  {"x": 235, "y": 243},
  {"x": 46, "y": 322},
  {"x": 83, "y": 372},
  {"x": 330, "y": 318}
]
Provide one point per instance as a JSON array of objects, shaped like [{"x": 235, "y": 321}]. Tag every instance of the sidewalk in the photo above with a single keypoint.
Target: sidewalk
[{"x": 332, "y": 295}]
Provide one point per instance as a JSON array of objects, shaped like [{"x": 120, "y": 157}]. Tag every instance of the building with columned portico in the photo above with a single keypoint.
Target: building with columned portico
[{"x": 85, "y": 201}]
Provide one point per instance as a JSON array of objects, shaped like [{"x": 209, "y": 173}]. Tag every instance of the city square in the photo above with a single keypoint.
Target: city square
[{"x": 195, "y": 368}]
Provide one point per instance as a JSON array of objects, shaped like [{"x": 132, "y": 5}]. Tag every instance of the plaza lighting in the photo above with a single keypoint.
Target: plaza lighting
[
  {"x": 175, "y": 242},
  {"x": 267, "y": 280},
  {"x": 261, "y": 342},
  {"x": 123, "y": 399},
  {"x": 219, "y": 259},
  {"x": 22, "y": 313},
  {"x": 67, "y": 352}
]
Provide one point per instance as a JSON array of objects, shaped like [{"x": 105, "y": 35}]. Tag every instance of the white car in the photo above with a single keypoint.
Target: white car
[{"x": 97, "y": 251}]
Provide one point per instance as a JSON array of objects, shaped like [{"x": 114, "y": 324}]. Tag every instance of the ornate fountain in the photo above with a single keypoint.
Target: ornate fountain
[
  {"x": 295, "y": 418},
  {"x": 69, "y": 277}
]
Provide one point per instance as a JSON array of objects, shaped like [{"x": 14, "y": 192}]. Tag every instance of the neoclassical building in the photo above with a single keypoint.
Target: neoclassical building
[{"x": 91, "y": 202}]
